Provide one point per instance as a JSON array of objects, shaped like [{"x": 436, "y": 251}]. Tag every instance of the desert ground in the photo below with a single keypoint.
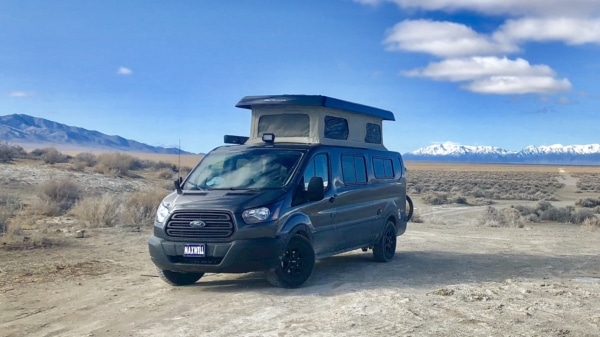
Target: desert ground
[{"x": 454, "y": 273}]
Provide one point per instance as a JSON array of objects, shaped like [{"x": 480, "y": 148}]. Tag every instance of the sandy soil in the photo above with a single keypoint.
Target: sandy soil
[{"x": 450, "y": 277}]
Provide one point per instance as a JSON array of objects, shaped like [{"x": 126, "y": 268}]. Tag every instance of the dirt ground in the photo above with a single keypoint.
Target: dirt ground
[{"x": 450, "y": 277}]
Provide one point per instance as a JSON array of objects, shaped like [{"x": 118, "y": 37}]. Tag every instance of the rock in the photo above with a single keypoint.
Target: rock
[{"x": 80, "y": 234}]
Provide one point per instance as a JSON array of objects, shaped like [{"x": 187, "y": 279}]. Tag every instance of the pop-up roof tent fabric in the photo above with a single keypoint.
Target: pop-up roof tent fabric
[{"x": 315, "y": 119}]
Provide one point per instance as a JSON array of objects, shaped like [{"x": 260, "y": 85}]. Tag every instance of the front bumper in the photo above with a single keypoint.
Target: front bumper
[{"x": 238, "y": 256}]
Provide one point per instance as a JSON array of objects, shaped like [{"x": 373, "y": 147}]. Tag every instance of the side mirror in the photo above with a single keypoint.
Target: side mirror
[{"x": 316, "y": 189}]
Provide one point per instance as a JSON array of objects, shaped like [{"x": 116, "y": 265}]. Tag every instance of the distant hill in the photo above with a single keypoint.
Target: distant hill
[
  {"x": 24, "y": 129},
  {"x": 553, "y": 154}
]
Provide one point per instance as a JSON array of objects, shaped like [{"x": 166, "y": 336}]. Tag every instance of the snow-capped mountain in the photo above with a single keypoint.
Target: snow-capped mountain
[
  {"x": 458, "y": 150},
  {"x": 552, "y": 154}
]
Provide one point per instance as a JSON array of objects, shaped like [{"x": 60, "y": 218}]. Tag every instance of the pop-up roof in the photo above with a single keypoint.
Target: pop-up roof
[{"x": 315, "y": 119}]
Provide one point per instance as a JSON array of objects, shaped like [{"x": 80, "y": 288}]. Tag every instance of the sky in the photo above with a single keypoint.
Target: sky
[{"x": 505, "y": 73}]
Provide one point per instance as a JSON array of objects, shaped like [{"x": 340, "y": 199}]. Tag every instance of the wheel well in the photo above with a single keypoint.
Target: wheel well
[
  {"x": 393, "y": 220},
  {"x": 302, "y": 233}
]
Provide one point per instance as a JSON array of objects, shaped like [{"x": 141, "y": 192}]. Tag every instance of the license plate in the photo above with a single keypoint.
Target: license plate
[{"x": 194, "y": 250}]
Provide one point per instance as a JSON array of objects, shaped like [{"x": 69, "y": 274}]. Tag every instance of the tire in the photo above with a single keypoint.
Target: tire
[
  {"x": 296, "y": 264},
  {"x": 178, "y": 279},
  {"x": 385, "y": 249},
  {"x": 409, "y": 205}
]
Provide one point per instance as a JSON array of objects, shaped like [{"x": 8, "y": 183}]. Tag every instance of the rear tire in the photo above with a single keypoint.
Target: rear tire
[
  {"x": 385, "y": 248},
  {"x": 178, "y": 279},
  {"x": 296, "y": 265},
  {"x": 409, "y": 208}
]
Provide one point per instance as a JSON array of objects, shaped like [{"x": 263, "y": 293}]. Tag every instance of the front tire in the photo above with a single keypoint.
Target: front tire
[
  {"x": 178, "y": 279},
  {"x": 296, "y": 265},
  {"x": 385, "y": 248}
]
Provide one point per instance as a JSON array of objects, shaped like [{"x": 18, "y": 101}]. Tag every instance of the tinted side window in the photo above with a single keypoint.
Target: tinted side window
[
  {"x": 384, "y": 168},
  {"x": 336, "y": 127},
  {"x": 354, "y": 169},
  {"x": 318, "y": 167},
  {"x": 373, "y": 133}
]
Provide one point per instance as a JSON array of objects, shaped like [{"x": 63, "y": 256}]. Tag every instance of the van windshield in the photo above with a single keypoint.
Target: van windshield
[{"x": 247, "y": 169}]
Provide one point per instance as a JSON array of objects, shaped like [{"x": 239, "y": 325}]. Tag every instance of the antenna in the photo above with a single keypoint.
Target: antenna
[{"x": 178, "y": 181}]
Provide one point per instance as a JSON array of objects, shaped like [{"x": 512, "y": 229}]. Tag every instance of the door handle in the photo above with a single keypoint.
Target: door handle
[{"x": 379, "y": 211}]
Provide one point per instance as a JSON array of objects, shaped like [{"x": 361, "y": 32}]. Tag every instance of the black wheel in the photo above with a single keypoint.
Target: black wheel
[
  {"x": 409, "y": 208},
  {"x": 296, "y": 264},
  {"x": 178, "y": 279},
  {"x": 385, "y": 249}
]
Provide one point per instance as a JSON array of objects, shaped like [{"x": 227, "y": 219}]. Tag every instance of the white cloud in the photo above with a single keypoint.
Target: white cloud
[
  {"x": 493, "y": 75},
  {"x": 585, "y": 8},
  {"x": 442, "y": 38},
  {"x": 21, "y": 94},
  {"x": 473, "y": 57},
  {"x": 569, "y": 30},
  {"x": 471, "y": 68},
  {"x": 518, "y": 85},
  {"x": 124, "y": 71}
]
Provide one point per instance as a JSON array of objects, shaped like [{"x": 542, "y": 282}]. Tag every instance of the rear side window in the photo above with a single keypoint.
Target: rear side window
[
  {"x": 284, "y": 125},
  {"x": 373, "y": 134},
  {"x": 354, "y": 169},
  {"x": 336, "y": 128},
  {"x": 384, "y": 168}
]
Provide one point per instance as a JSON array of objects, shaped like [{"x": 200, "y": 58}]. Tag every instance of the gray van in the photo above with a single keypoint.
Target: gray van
[{"x": 312, "y": 180}]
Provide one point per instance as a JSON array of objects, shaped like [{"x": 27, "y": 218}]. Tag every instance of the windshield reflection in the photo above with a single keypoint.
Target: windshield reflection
[{"x": 247, "y": 169}]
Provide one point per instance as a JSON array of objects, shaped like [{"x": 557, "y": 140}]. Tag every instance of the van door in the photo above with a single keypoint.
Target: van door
[
  {"x": 355, "y": 211},
  {"x": 321, "y": 213}
]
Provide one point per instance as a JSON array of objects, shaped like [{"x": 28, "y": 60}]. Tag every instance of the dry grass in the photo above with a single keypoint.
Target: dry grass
[
  {"x": 508, "y": 217},
  {"x": 515, "y": 216},
  {"x": 9, "y": 152},
  {"x": 99, "y": 211},
  {"x": 8, "y": 206},
  {"x": 591, "y": 224},
  {"x": 165, "y": 174},
  {"x": 57, "y": 196},
  {"x": 487, "y": 185},
  {"x": 141, "y": 207},
  {"x": 588, "y": 182},
  {"x": 117, "y": 164}
]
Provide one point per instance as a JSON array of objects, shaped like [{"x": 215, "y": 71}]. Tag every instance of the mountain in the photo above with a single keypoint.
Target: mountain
[
  {"x": 24, "y": 129},
  {"x": 553, "y": 154}
]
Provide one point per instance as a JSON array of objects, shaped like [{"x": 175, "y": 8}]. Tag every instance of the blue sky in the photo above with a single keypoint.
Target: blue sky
[{"x": 508, "y": 73}]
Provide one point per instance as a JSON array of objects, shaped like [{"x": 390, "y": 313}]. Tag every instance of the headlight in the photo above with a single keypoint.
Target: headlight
[
  {"x": 162, "y": 212},
  {"x": 256, "y": 215}
]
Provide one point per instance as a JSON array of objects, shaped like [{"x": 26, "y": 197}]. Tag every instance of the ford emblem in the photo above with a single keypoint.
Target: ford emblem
[{"x": 197, "y": 224}]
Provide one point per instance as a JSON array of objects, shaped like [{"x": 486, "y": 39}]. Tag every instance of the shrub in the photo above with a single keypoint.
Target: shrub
[
  {"x": 140, "y": 207},
  {"x": 86, "y": 158},
  {"x": 10, "y": 152},
  {"x": 165, "y": 174},
  {"x": 8, "y": 206},
  {"x": 591, "y": 224},
  {"x": 508, "y": 217},
  {"x": 581, "y": 215},
  {"x": 588, "y": 202},
  {"x": 99, "y": 211},
  {"x": 49, "y": 155},
  {"x": 556, "y": 214},
  {"x": 436, "y": 198},
  {"x": 117, "y": 164},
  {"x": 58, "y": 196}
]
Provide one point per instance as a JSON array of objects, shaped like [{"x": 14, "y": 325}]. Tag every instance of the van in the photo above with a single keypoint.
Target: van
[{"x": 312, "y": 180}]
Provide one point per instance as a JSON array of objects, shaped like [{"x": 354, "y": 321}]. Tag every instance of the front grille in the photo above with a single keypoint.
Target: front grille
[
  {"x": 216, "y": 225},
  {"x": 208, "y": 260}
]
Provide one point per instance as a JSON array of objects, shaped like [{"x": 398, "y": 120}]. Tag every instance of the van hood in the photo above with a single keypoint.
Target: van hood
[{"x": 235, "y": 201}]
